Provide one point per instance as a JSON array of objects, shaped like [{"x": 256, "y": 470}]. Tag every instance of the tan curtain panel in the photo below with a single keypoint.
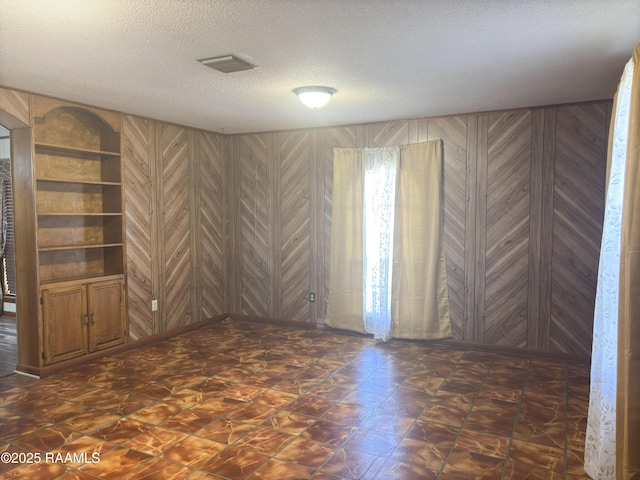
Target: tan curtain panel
[
  {"x": 420, "y": 302},
  {"x": 628, "y": 385},
  {"x": 345, "y": 296},
  {"x": 419, "y": 296}
]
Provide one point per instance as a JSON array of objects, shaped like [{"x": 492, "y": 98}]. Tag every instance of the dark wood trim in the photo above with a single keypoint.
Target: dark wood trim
[
  {"x": 227, "y": 188},
  {"x": 546, "y": 228},
  {"x": 316, "y": 232},
  {"x": 469, "y": 319},
  {"x": 535, "y": 222},
  {"x": 28, "y": 369},
  {"x": 274, "y": 161},
  {"x": 154, "y": 166},
  {"x": 160, "y": 253},
  {"x": 26, "y": 252},
  {"x": 480, "y": 247},
  {"x": 49, "y": 370},
  {"x": 195, "y": 220},
  {"x": 234, "y": 242}
]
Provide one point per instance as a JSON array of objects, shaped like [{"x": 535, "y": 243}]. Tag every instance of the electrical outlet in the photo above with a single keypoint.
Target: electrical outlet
[
  {"x": 312, "y": 297},
  {"x": 154, "y": 305}
]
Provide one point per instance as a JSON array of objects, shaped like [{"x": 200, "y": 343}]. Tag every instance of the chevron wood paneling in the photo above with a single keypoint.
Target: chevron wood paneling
[
  {"x": 580, "y": 164},
  {"x": 388, "y": 134},
  {"x": 137, "y": 135},
  {"x": 212, "y": 258},
  {"x": 494, "y": 164},
  {"x": 507, "y": 228},
  {"x": 16, "y": 104},
  {"x": 175, "y": 227},
  {"x": 295, "y": 214},
  {"x": 255, "y": 225},
  {"x": 453, "y": 132},
  {"x": 241, "y": 224}
]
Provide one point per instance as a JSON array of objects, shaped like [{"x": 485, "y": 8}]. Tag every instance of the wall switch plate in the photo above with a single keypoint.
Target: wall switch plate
[{"x": 154, "y": 305}]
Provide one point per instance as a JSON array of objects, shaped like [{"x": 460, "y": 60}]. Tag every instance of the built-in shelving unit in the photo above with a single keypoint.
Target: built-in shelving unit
[
  {"x": 78, "y": 193},
  {"x": 79, "y": 215}
]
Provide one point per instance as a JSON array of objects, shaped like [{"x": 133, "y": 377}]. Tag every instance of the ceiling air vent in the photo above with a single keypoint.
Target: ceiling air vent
[{"x": 227, "y": 64}]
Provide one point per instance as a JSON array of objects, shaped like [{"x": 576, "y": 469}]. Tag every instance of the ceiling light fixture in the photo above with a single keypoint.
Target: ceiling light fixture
[{"x": 314, "y": 97}]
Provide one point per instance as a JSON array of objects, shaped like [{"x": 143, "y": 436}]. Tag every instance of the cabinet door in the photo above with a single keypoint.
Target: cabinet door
[
  {"x": 106, "y": 314},
  {"x": 64, "y": 323}
]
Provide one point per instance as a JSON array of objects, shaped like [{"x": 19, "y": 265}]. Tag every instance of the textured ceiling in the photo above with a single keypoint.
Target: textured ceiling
[{"x": 388, "y": 59}]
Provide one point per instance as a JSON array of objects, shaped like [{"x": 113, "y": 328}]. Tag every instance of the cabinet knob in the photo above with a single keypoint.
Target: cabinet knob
[
  {"x": 93, "y": 318},
  {"x": 86, "y": 319}
]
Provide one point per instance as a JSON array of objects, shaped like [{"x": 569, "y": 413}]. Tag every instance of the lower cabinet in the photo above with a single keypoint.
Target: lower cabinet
[{"x": 82, "y": 317}]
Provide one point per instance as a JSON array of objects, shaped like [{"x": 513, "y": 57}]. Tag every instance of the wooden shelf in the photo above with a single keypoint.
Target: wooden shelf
[
  {"x": 79, "y": 214},
  {"x": 78, "y": 191},
  {"x": 52, "y": 148},
  {"x": 52, "y": 248},
  {"x": 79, "y": 182},
  {"x": 65, "y": 264}
]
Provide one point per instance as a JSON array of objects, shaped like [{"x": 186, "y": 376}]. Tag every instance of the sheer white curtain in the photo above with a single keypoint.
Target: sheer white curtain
[
  {"x": 600, "y": 442},
  {"x": 379, "y": 207}
]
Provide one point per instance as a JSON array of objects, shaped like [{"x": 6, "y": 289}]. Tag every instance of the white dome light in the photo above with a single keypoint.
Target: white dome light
[{"x": 314, "y": 97}]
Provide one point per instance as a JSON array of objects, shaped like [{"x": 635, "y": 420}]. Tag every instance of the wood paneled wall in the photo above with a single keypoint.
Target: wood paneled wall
[
  {"x": 176, "y": 210},
  {"x": 211, "y": 223},
  {"x": 175, "y": 205},
  {"x": 524, "y": 198},
  {"x": 240, "y": 224},
  {"x": 576, "y": 228},
  {"x": 142, "y": 275}
]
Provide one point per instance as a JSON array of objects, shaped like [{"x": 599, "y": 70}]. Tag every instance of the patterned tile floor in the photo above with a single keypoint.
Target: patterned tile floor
[{"x": 260, "y": 402}]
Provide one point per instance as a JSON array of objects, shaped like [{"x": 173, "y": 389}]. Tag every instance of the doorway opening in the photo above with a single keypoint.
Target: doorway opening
[{"x": 8, "y": 319}]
